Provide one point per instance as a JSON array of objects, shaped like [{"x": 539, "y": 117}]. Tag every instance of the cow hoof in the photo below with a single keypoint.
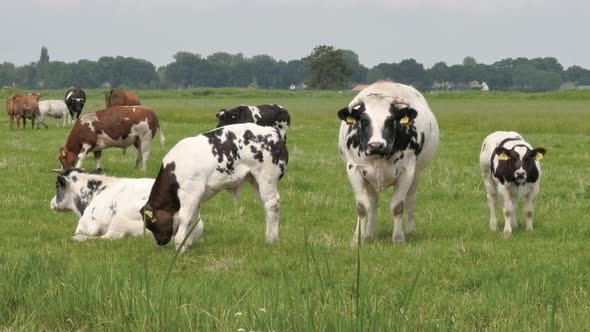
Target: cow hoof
[
  {"x": 507, "y": 233},
  {"x": 399, "y": 238}
]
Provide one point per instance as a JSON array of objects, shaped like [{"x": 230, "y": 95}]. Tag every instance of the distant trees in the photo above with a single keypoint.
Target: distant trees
[{"x": 325, "y": 68}]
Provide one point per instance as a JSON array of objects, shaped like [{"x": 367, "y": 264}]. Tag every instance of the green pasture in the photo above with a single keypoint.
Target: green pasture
[{"x": 453, "y": 275}]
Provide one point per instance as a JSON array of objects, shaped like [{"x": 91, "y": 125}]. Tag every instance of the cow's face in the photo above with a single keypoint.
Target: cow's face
[
  {"x": 77, "y": 104},
  {"x": 240, "y": 114},
  {"x": 377, "y": 124},
  {"x": 518, "y": 164},
  {"x": 66, "y": 158},
  {"x": 63, "y": 200},
  {"x": 160, "y": 222}
]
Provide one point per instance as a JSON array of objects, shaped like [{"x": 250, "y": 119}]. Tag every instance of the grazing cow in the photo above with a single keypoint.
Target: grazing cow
[
  {"x": 271, "y": 115},
  {"x": 23, "y": 106},
  {"x": 388, "y": 135},
  {"x": 116, "y": 97},
  {"x": 119, "y": 127},
  {"x": 510, "y": 168},
  {"x": 199, "y": 167},
  {"x": 107, "y": 206},
  {"x": 54, "y": 108},
  {"x": 75, "y": 99}
]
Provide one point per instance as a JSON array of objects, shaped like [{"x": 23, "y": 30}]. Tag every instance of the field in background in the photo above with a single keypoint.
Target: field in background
[{"x": 454, "y": 274}]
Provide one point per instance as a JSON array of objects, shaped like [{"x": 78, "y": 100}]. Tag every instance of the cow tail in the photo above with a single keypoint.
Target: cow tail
[{"x": 162, "y": 138}]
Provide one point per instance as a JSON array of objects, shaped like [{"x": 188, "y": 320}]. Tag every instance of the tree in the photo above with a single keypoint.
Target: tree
[
  {"x": 327, "y": 68},
  {"x": 469, "y": 61},
  {"x": 358, "y": 71},
  {"x": 44, "y": 58}
]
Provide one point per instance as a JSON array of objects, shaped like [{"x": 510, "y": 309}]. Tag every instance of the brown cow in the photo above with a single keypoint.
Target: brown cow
[
  {"x": 115, "y": 97},
  {"x": 119, "y": 126},
  {"x": 22, "y": 105}
]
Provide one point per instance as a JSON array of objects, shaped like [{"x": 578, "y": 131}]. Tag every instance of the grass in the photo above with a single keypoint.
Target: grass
[{"x": 453, "y": 275}]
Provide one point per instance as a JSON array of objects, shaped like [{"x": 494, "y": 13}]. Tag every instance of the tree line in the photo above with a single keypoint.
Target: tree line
[{"x": 324, "y": 68}]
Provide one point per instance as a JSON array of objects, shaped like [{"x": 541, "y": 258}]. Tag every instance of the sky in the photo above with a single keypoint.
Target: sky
[{"x": 377, "y": 30}]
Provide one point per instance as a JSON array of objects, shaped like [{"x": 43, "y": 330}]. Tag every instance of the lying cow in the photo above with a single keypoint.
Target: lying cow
[
  {"x": 388, "y": 135},
  {"x": 116, "y": 97},
  {"x": 199, "y": 167},
  {"x": 75, "y": 99},
  {"x": 107, "y": 206},
  {"x": 510, "y": 168},
  {"x": 119, "y": 127},
  {"x": 23, "y": 106},
  {"x": 56, "y": 109},
  {"x": 272, "y": 115}
]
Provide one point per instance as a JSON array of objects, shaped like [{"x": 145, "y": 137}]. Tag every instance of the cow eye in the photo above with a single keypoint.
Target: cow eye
[{"x": 233, "y": 116}]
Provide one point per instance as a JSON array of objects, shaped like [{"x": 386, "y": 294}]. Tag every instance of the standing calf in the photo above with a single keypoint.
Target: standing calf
[
  {"x": 198, "y": 167},
  {"x": 510, "y": 168},
  {"x": 54, "y": 108}
]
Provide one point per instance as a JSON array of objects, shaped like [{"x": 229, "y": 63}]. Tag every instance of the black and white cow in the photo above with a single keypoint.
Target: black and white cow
[
  {"x": 388, "y": 135},
  {"x": 268, "y": 115},
  {"x": 198, "y": 167},
  {"x": 107, "y": 206},
  {"x": 75, "y": 99},
  {"x": 510, "y": 168}
]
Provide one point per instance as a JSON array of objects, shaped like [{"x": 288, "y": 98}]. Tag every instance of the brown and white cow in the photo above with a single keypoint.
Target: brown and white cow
[
  {"x": 22, "y": 105},
  {"x": 116, "y": 97},
  {"x": 120, "y": 127}
]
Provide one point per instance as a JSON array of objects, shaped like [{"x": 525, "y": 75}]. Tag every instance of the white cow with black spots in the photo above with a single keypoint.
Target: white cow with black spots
[
  {"x": 223, "y": 159},
  {"x": 510, "y": 168},
  {"x": 108, "y": 207},
  {"x": 388, "y": 135}
]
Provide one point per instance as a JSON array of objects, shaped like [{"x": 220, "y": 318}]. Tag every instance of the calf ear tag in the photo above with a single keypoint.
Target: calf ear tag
[
  {"x": 538, "y": 156},
  {"x": 350, "y": 120},
  {"x": 405, "y": 120},
  {"x": 150, "y": 215},
  {"x": 503, "y": 156}
]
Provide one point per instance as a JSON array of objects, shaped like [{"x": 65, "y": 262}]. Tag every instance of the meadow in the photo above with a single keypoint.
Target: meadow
[{"x": 453, "y": 275}]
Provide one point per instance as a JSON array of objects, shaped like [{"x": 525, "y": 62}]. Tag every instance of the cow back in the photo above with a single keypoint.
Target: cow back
[{"x": 116, "y": 97}]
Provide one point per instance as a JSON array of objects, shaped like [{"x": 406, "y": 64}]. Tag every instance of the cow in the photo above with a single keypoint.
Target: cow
[
  {"x": 116, "y": 97},
  {"x": 23, "y": 106},
  {"x": 107, "y": 206},
  {"x": 119, "y": 126},
  {"x": 268, "y": 115},
  {"x": 56, "y": 109},
  {"x": 75, "y": 99},
  {"x": 510, "y": 169},
  {"x": 198, "y": 167},
  {"x": 388, "y": 135}
]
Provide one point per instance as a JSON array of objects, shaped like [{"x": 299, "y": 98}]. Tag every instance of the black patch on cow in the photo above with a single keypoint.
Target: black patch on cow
[
  {"x": 113, "y": 208},
  {"x": 75, "y": 101},
  {"x": 60, "y": 188},
  {"x": 86, "y": 194},
  {"x": 257, "y": 153},
  {"x": 74, "y": 179},
  {"x": 273, "y": 144},
  {"x": 349, "y": 166},
  {"x": 270, "y": 115},
  {"x": 240, "y": 114},
  {"x": 225, "y": 149}
]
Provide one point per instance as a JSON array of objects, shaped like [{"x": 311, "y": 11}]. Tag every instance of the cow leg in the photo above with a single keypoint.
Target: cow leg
[
  {"x": 410, "y": 205},
  {"x": 188, "y": 215},
  {"x": 97, "y": 155},
  {"x": 271, "y": 201},
  {"x": 529, "y": 207},
  {"x": 87, "y": 229},
  {"x": 11, "y": 120},
  {"x": 145, "y": 153},
  {"x": 372, "y": 212},
  {"x": 396, "y": 206},
  {"x": 82, "y": 155},
  {"x": 363, "y": 204},
  {"x": 509, "y": 212}
]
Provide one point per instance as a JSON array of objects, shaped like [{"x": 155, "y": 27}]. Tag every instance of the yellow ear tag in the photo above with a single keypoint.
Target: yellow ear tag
[
  {"x": 405, "y": 120},
  {"x": 538, "y": 156},
  {"x": 150, "y": 215},
  {"x": 350, "y": 120},
  {"x": 503, "y": 156}
]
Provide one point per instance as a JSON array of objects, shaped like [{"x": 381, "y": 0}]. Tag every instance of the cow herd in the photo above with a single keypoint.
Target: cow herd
[{"x": 388, "y": 135}]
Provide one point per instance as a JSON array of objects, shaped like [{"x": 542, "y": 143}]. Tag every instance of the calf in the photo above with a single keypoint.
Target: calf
[
  {"x": 56, "y": 109},
  {"x": 75, "y": 99},
  {"x": 510, "y": 168},
  {"x": 388, "y": 135},
  {"x": 119, "y": 126},
  {"x": 271, "y": 115},
  {"x": 199, "y": 167},
  {"x": 116, "y": 97},
  {"x": 107, "y": 206}
]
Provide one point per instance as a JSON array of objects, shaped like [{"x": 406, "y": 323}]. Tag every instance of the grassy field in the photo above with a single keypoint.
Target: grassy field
[{"x": 453, "y": 275}]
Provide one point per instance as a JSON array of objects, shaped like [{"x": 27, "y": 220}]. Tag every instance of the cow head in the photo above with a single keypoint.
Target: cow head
[
  {"x": 66, "y": 158},
  {"x": 160, "y": 222},
  {"x": 519, "y": 164},
  {"x": 240, "y": 114},
  {"x": 379, "y": 122},
  {"x": 71, "y": 191}
]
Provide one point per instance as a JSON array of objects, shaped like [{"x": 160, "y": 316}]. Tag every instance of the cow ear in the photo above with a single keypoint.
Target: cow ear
[
  {"x": 220, "y": 113},
  {"x": 502, "y": 153},
  {"x": 405, "y": 115},
  {"x": 539, "y": 153},
  {"x": 61, "y": 181},
  {"x": 345, "y": 115}
]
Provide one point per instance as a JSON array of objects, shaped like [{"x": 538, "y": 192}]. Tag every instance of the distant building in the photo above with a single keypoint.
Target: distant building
[
  {"x": 292, "y": 87},
  {"x": 484, "y": 87}
]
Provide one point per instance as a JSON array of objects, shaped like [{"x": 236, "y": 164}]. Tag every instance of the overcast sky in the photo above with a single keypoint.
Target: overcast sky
[{"x": 377, "y": 30}]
